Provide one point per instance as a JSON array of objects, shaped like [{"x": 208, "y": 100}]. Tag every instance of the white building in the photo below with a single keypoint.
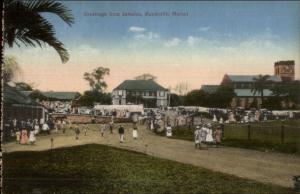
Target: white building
[{"x": 146, "y": 92}]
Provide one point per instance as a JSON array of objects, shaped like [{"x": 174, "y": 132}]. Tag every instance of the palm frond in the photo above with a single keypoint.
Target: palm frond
[
  {"x": 51, "y": 6},
  {"x": 24, "y": 23}
]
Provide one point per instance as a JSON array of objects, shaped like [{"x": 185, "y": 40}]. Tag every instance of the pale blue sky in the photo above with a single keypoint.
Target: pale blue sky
[{"x": 215, "y": 38}]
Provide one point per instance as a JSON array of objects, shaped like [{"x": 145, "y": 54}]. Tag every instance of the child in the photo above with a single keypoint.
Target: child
[
  {"x": 18, "y": 135},
  {"x": 31, "y": 137},
  {"x": 135, "y": 132}
]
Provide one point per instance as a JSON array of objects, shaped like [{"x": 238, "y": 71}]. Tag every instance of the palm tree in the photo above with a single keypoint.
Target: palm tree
[
  {"x": 260, "y": 83},
  {"x": 23, "y": 23}
]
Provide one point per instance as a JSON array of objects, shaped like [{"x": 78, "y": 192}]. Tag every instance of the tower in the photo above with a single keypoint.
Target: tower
[{"x": 285, "y": 70}]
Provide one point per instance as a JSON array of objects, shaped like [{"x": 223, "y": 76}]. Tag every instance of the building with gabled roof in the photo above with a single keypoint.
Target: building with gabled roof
[
  {"x": 19, "y": 106},
  {"x": 146, "y": 92},
  {"x": 243, "y": 85}
]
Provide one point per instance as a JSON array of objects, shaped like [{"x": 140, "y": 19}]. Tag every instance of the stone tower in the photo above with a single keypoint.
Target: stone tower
[{"x": 285, "y": 70}]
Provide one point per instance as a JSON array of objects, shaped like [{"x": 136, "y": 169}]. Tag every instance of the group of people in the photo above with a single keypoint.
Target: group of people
[
  {"x": 25, "y": 131},
  {"x": 105, "y": 127},
  {"x": 205, "y": 135}
]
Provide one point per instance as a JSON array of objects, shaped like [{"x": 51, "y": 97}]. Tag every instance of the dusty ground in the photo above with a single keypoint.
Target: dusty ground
[{"x": 264, "y": 167}]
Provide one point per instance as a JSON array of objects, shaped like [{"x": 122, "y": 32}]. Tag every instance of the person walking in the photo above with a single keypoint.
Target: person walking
[
  {"x": 102, "y": 129},
  {"x": 77, "y": 132},
  {"x": 218, "y": 135},
  {"x": 32, "y": 137},
  {"x": 111, "y": 127},
  {"x": 85, "y": 129},
  {"x": 197, "y": 137},
  {"x": 134, "y": 132},
  {"x": 121, "y": 133}
]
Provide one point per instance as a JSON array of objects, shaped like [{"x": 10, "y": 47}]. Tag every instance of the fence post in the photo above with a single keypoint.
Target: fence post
[
  {"x": 249, "y": 132},
  {"x": 282, "y": 133}
]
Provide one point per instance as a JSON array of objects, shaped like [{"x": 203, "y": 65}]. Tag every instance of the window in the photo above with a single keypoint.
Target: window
[
  {"x": 161, "y": 93},
  {"x": 120, "y": 92}
]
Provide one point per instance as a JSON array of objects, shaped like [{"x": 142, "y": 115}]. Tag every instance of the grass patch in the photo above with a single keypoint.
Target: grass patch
[
  {"x": 265, "y": 136},
  {"x": 102, "y": 169}
]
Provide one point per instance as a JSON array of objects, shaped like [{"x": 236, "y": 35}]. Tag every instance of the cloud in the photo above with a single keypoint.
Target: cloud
[
  {"x": 173, "y": 42},
  {"x": 192, "y": 40},
  {"x": 146, "y": 36},
  {"x": 137, "y": 29},
  {"x": 204, "y": 28},
  {"x": 142, "y": 33}
]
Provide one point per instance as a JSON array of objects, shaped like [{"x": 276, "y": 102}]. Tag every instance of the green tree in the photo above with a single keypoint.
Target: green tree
[
  {"x": 260, "y": 83},
  {"x": 176, "y": 100},
  {"x": 90, "y": 97},
  {"x": 146, "y": 76},
  {"x": 10, "y": 68},
  {"x": 24, "y": 23},
  {"x": 222, "y": 97},
  {"x": 96, "y": 79},
  {"x": 288, "y": 91},
  {"x": 195, "y": 98}
]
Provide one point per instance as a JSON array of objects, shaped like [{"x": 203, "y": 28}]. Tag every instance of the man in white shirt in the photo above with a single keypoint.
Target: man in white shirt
[{"x": 46, "y": 128}]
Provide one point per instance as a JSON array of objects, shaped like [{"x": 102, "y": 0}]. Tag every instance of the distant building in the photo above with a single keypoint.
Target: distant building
[
  {"x": 19, "y": 106},
  {"x": 285, "y": 70},
  {"x": 146, "y": 92},
  {"x": 245, "y": 81},
  {"x": 243, "y": 84},
  {"x": 55, "y": 101}
]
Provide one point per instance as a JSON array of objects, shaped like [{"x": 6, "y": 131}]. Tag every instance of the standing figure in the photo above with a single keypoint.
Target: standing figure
[
  {"x": 134, "y": 132},
  {"x": 102, "y": 129},
  {"x": 218, "y": 136},
  {"x": 18, "y": 136},
  {"x": 169, "y": 131},
  {"x": 197, "y": 137},
  {"x": 32, "y": 137},
  {"x": 121, "y": 133},
  {"x": 24, "y": 137},
  {"x": 85, "y": 129},
  {"x": 77, "y": 132},
  {"x": 46, "y": 128},
  {"x": 111, "y": 127}
]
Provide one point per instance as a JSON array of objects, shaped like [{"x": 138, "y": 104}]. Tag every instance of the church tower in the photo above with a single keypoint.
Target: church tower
[{"x": 285, "y": 70}]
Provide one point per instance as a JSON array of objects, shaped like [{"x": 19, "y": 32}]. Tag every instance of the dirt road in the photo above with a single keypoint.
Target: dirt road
[{"x": 264, "y": 167}]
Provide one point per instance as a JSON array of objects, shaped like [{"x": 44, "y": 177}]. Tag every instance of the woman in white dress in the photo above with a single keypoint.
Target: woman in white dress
[
  {"x": 32, "y": 137},
  {"x": 169, "y": 131},
  {"x": 36, "y": 129},
  {"x": 135, "y": 132}
]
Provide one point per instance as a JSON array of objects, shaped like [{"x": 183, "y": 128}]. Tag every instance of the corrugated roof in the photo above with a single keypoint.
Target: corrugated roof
[
  {"x": 250, "y": 78},
  {"x": 148, "y": 85},
  {"x": 210, "y": 88},
  {"x": 61, "y": 95},
  {"x": 13, "y": 96},
  {"x": 55, "y": 95},
  {"x": 248, "y": 93}
]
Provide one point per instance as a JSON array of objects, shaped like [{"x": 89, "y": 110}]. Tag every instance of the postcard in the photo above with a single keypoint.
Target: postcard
[{"x": 150, "y": 97}]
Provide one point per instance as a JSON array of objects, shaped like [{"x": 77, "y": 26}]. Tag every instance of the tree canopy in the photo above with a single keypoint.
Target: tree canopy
[
  {"x": 96, "y": 79},
  {"x": 259, "y": 85},
  {"x": 24, "y": 23},
  {"x": 146, "y": 76},
  {"x": 10, "y": 68}
]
